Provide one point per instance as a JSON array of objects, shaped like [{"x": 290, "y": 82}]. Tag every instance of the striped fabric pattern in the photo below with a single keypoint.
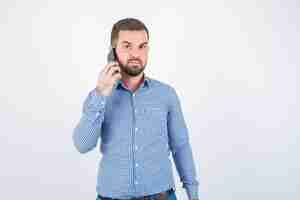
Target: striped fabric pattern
[{"x": 138, "y": 132}]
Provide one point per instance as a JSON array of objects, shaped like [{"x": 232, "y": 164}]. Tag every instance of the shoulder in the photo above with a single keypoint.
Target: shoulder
[
  {"x": 164, "y": 92},
  {"x": 162, "y": 86}
]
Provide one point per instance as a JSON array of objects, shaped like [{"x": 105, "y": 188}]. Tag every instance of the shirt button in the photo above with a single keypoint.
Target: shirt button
[
  {"x": 136, "y": 182},
  {"x": 136, "y": 147},
  {"x": 136, "y": 165},
  {"x": 133, "y": 94},
  {"x": 136, "y": 129},
  {"x": 135, "y": 110}
]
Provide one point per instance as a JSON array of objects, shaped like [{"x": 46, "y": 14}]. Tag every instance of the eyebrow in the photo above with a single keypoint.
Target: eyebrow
[{"x": 138, "y": 45}]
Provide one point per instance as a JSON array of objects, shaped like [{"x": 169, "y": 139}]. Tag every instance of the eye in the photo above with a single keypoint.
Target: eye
[{"x": 144, "y": 46}]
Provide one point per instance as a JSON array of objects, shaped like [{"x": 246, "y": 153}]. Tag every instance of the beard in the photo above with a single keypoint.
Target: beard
[{"x": 132, "y": 69}]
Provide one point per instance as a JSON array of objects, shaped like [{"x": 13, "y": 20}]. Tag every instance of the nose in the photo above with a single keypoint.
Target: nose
[{"x": 134, "y": 53}]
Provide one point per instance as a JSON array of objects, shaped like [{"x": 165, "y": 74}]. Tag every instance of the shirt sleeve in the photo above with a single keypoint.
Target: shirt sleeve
[
  {"x": 181, "y": 148},
  {"x": 87, "y": 131}
]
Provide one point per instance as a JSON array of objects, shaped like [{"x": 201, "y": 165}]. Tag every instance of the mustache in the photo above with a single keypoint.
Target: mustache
[{"x": 135, "y": 60}]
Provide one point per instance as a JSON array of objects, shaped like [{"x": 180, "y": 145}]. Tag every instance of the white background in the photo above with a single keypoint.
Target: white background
[{"x": 234, "y": 64}]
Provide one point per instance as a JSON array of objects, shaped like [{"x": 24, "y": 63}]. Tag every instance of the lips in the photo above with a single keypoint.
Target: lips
[{"x": 134, "y": 62}]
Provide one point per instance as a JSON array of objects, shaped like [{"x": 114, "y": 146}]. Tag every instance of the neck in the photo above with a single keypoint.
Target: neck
[{"x": 132, "y": 83}]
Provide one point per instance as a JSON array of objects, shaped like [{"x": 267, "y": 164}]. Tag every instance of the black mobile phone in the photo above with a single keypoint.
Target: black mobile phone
[{"x": 112, "y": 57}]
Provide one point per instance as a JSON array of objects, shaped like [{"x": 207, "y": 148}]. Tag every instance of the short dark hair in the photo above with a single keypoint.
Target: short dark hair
[{"x": 127, "y": 24}]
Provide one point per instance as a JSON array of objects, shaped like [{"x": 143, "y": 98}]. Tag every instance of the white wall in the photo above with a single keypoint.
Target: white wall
[{"x": 234, "y": 64}]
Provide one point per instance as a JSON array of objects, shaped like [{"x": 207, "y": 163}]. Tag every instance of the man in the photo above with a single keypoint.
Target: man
[{"x": 138, "y": 121}]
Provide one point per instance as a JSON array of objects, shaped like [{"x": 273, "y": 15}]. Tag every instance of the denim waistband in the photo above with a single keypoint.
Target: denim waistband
[{"x": 157, "y": 196}]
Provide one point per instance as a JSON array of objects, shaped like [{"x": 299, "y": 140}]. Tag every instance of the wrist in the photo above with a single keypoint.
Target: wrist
[{"x": 101, "y": 92}]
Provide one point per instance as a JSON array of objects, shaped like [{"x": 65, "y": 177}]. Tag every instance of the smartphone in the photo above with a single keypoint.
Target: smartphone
[{"x": 112, "y": 57}]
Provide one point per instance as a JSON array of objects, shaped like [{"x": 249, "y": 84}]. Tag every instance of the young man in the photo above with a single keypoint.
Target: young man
[{"x": 138, "y": 121}]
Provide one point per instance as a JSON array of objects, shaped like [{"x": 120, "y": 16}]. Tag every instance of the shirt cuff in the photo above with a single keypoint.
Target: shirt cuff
[{"x": 192, "y": 191}]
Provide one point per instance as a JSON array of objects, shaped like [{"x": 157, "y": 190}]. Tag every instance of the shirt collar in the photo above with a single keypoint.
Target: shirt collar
[{"x": 145, "y": 84}]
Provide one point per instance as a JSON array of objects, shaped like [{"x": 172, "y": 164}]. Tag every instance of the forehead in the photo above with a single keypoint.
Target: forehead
[{"x": 135, "y": 37}]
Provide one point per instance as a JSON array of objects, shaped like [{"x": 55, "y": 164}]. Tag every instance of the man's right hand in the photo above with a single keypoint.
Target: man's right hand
[{"x": 107, "y": 77}]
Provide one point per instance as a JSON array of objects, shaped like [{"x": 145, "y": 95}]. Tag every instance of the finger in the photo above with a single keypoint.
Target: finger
[
  {"x": 111, "y": 66},
  {"x": 108, "y": 66},
  {"x": 113, "y": 70},
  {"x": 117, "y": 76}
]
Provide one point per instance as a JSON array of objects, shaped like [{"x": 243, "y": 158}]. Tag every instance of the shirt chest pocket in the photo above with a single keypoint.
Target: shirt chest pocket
[{"x": 155, "y": 119}]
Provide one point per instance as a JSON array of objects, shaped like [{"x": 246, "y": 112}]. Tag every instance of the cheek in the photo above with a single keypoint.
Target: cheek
[
  {"x": 123, "y": 57},
  {"x": 145, "y": 57}
]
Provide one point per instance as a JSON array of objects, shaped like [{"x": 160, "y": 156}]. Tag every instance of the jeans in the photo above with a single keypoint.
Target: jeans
[{"x": 172, "y": 196}]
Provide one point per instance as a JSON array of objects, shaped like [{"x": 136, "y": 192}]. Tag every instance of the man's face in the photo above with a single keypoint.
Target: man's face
[{"x": 132, "y": 51}]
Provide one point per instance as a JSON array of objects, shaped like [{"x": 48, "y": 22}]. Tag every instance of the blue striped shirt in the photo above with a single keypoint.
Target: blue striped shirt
[{"x": 137, "y": 131}]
